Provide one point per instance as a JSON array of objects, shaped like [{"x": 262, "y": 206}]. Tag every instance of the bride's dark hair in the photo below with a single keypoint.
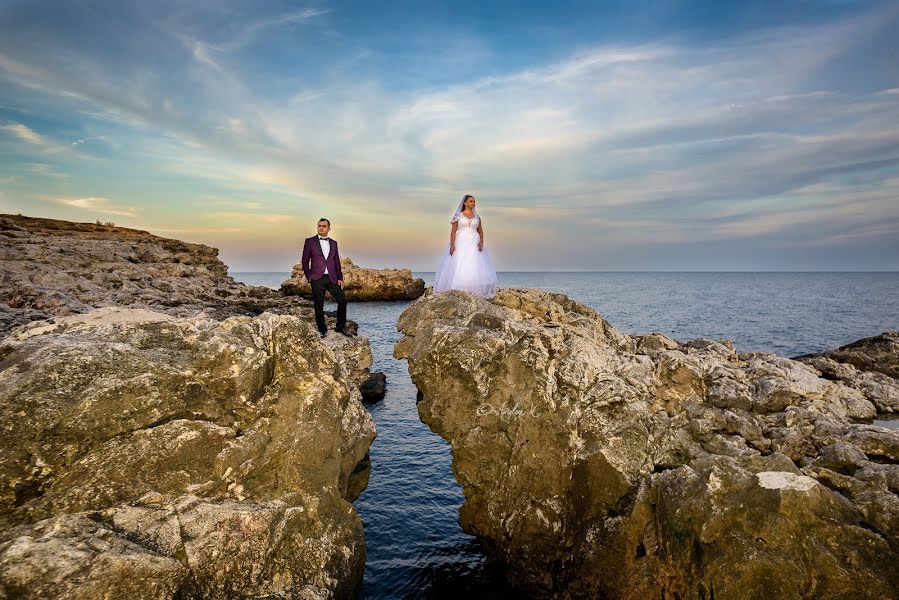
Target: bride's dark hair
[{"x": 466, "y": 197}]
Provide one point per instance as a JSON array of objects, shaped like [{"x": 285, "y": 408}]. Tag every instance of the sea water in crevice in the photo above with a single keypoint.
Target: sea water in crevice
[{"x": 415, "y": 547}]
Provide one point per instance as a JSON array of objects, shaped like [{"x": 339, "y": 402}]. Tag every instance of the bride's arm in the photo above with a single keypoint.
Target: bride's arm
[
  {"x": 453, "y": 237},
  {"x": 480, "y": 233}
]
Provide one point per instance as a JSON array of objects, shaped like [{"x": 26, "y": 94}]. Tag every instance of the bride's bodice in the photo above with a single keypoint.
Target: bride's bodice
[{"x": 467, "y": 225}]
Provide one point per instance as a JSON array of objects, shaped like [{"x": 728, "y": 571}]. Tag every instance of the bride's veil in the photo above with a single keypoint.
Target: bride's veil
[{"x": 462, "y": 206}]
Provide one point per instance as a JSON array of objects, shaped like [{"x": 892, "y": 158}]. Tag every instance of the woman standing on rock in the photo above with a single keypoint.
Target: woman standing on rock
[{"x": 466, "y": 265}]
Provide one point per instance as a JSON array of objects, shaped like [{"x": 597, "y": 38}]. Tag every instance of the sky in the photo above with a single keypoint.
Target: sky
[{"x": 662, "y": 135}]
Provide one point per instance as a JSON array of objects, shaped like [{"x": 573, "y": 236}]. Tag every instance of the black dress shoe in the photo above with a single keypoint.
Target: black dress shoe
[{"x": 344, "y": 332}]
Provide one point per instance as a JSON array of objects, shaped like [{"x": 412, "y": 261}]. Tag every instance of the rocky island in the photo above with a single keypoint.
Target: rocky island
[
  {"x": 600, "y": 465},
  {"x": 166, "y": 431},
  {"x": 361, "y": 284}
]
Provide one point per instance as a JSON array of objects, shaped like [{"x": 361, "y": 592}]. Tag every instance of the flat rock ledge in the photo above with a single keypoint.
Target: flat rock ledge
[
  {"x": 146, "y": 455},
  {"x": 600, "y": 465},
  {"x": 361, "y": 284}
]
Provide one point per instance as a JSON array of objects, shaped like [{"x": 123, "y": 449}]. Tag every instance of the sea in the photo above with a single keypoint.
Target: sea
[{"x": 415, "y": 547}]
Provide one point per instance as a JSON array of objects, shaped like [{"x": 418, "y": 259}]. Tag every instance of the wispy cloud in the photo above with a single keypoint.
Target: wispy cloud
[
  {"x": 189, "y": 230},
  {"x": 251, "y": 31},
  {"x": 46, "y": 170},
  {"x": 25, "y": 133},
  {"x": 202, "y": 52},
  {"x": 96, "y": 205},
  {"x": 253, "y": 217}
]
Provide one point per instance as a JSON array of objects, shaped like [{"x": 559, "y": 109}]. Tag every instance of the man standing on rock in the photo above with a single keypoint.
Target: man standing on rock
[{"x": 321, "y": 266}]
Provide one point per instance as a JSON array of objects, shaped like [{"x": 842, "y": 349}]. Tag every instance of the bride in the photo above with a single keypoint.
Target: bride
[{"x": 467, "y": 266}]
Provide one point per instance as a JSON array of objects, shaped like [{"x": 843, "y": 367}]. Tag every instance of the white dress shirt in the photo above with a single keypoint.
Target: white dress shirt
[{"x": 325, "y": 243}]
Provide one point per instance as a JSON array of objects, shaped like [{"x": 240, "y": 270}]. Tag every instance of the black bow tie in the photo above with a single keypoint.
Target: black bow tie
[{"x": 321, "y": 239}]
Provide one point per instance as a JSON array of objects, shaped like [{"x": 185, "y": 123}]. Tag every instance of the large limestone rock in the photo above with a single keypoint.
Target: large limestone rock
[
  {"x": 595, "y": 464},
  {"x": 361, "y": 284},
  {"x": 149, "y": 456},
  {"x": 54, "y": 268}
]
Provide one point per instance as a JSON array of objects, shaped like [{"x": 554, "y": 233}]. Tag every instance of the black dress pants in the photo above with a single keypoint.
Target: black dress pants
[{"x": 319, "y": 287}]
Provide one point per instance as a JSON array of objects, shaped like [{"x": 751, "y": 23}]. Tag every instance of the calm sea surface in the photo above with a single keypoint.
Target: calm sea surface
[{"x": 416, "y": 548}]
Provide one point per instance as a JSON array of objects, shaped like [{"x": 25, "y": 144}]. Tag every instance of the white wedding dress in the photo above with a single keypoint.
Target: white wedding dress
[{"x": 467, "y": 268}]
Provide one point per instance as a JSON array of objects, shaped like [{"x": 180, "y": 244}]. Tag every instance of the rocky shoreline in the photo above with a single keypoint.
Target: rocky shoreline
[
  {"x": 600, "y": 465},
  {"x": 168, "y": 432}
]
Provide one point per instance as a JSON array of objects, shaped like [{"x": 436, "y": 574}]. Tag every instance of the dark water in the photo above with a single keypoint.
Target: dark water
[{"x": 415, "y": 546}]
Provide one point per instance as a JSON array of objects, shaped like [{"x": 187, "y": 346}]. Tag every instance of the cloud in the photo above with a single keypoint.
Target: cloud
[
  {"x": 85, "y": 140},
  {"x": 188, "y": 230},
  {"x": 47, "y": 171},
  {"x": 254, "y": 29},
  {"x": 577, "y": 67},
  {"x": 25, "y": 133},
  {"x": 96, "y": 205},
  {"x": 102, "y": 205},
  {"x": 202, "y": 52},
  {"x": 253, "y": 217},
  {"x": 232, "y": 203},
  {"x": 740, "y": 137}
]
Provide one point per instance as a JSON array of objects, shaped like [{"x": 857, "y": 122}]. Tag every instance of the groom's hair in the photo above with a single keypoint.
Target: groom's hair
[{"x": 325, "y": 220}]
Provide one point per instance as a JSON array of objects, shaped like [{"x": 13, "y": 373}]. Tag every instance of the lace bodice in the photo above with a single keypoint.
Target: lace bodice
[{"x": 466, "y": 223}]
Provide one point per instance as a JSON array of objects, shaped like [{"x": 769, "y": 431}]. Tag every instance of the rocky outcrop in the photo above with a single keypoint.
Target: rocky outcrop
[
  {"x": 144, "y": 455},
  {"x": 54, "y": 268},
  {"x": 596, "y": 464},
  {"x": 870, "y": 364},
  {"x": 361, "y": 284},
  {"x": 194, "y": 437}
]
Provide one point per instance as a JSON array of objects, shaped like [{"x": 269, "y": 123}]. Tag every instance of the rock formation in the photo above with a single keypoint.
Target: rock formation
[
  {"x": 600, "y": 465},
  {"x": 374, "y": 389},
  {"x": 871, "y": 364},
  {"x": 192, "y": 437},
  {"x": 149, "y": 456},
  {"x": 361, "y": 284},
  {"x": 50, "y": 268}
]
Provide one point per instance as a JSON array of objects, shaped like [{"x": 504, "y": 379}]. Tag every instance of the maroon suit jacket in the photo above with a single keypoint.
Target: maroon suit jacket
[{"x": 314, "y": 262}]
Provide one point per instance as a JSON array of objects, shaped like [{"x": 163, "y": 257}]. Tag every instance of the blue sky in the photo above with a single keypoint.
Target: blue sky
[{"x": 667, "y": 135}]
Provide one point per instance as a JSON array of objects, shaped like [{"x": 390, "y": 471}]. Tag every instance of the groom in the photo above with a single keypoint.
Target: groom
[{"x": 321, "y": 265}]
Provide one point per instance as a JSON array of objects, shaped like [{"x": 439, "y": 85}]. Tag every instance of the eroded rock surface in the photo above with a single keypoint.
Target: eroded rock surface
[
  {"x": 361, "y": 284},
  {"x": 144, "y": 455},
  {"x": 870, "y": 364},
  {"x": 596, "y": 464},
  {"x": 879, "y": 354},
  {"x": 54, "y": 268}
]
